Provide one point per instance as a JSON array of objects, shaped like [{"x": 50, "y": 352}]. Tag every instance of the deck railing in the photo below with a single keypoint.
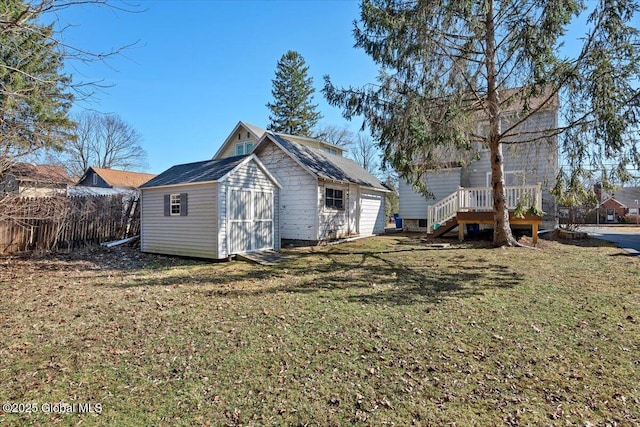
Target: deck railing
[{"x": 481, "y": 199}]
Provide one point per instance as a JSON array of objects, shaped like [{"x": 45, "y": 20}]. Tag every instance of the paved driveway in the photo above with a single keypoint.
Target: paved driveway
[{"x": 627, "y": 238}]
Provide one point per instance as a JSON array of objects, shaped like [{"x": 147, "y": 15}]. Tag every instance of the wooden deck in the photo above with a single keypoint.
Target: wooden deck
[{"x": 485, "y": 217}]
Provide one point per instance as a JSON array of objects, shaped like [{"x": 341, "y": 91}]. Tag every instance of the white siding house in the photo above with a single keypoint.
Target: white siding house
[
  {"x": 299, "y": 207},
  {"x": 525, "y": 164},
  {"x": 413, "y": 205},
  {"x": 211, "y": 209},
  {"x": 324, "y": 196}
]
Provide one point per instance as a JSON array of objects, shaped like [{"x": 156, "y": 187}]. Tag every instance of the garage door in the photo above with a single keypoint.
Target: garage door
[
  {"x": 371, "y": 213},
  {"x": 250, "y": 220}
]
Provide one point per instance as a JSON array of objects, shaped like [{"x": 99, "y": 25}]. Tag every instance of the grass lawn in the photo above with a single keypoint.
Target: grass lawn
[{"x": 381, "y": 331}]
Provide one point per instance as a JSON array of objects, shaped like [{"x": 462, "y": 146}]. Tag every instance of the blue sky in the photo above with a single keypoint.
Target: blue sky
[{"x": 199, "y": 67}]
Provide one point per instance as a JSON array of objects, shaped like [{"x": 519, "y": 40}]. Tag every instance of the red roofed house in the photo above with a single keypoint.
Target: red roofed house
[
  {"x": 619, "y": 203},
  {"x": 112, "y": 178}
]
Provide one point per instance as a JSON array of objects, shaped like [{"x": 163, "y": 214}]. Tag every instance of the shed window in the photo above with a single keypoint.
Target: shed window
[
  {"x": 94, "y": 178},
  {"x": 175, "y": 204},
  {"x": 333, "y": 198}
]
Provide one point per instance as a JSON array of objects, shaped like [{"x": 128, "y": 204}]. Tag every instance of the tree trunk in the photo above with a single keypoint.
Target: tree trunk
[{"x": 501, "y": 228}]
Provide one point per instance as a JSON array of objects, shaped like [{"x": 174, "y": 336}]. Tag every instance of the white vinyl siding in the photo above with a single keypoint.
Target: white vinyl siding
[
  {"x": 298, "y": 205},
  {"x": 192, "y": 235},
  {"x": 372, "y": 216},
  {"x": 538, "y": 162},
  {"x": 203, "y": 231},
  {"x": 413, "y": 205}
]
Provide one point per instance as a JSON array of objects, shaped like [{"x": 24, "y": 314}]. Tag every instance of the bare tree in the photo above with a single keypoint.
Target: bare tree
[
  {"x": 336, "y": 135},
  {"x": 36, "y": 92},
  {"x": 365, "y": 152},
  {"x": 105, "y": 141}
]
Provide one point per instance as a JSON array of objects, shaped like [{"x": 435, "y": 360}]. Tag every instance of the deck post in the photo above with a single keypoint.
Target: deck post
[
  {"x": 461, "y": 231},
  {"x": 534, "y": 233}
]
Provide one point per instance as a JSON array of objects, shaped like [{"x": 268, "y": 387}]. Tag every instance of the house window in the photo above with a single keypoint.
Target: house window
[
  {"x": 511, "y": 178},
  {"x": 243, "y": 148},
  {"x": 483, "y": 128},
  {"x": 94, "y": 179},
  {"x": 333, "y": 198},
  {"x": 331, "y": 150}
]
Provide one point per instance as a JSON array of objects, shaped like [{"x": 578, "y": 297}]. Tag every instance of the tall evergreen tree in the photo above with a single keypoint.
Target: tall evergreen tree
[
  {"x": 34, "y": 95},
  {"x": 444, "y": 63},
  {"x": 292, "y": 110}
]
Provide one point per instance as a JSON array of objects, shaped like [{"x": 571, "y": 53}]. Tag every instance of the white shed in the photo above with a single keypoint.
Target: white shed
[{"x": 211, "y": 209}]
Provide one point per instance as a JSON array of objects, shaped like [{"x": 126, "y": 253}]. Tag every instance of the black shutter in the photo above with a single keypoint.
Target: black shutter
[
  {"x": 167, "y": 205},
  {"x": 184, "y": 203}
]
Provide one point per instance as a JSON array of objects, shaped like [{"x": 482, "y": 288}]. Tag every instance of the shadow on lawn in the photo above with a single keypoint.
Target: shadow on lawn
[
  {"x": 389, "y": 274},
  {"x": 377, "y": 278}
]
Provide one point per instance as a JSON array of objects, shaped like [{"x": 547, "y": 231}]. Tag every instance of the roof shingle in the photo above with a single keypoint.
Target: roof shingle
[
  {"x": 205, "y": 171},
  {"x": 118, "y": 178},
  {"x": 329, "y": 166}
]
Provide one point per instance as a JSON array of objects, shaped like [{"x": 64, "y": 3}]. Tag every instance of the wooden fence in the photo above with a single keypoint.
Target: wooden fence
[{"x": 60, "y": 222}]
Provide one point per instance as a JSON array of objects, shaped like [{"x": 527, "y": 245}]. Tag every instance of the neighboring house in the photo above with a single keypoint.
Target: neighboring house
[
  {"x": 29, "y": 180},
  {"x": 244, "y": 137},
  {"x": 112, "y": 178},
  {"x": 619, "y": 203},
  {"x": 529, "y": 170},
  {"x": 324, "y": 196},
  {"x": 211, "y": 209}
]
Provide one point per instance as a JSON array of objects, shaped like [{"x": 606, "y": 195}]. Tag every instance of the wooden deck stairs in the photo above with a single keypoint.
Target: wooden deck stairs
[
  {"x": 475, "y": 206},
  {"x": 444, "y": 228}
]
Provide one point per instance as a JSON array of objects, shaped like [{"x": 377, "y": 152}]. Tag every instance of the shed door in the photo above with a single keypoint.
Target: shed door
[
  {"x": 371, "y": 213},
  {"x": 250, "y": 220}
]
